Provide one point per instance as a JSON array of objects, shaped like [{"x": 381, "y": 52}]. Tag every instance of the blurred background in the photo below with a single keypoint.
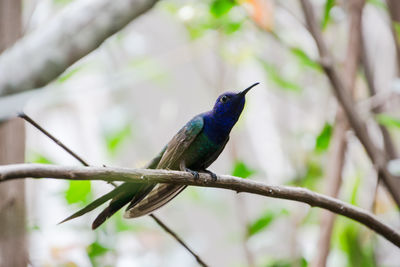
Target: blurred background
[{"x": 122, "y": 103}]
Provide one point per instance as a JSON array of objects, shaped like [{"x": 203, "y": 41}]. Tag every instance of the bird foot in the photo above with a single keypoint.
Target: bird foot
[
  {"x": 194, "y": 173},
  {"x": 213, "y": 175}
]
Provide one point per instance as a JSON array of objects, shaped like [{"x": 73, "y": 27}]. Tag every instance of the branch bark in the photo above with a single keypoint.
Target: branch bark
[
  {"x": 18, "y": 171},
  {"x": 377, "y": 155},
  {"x": 77, "y": 31}
]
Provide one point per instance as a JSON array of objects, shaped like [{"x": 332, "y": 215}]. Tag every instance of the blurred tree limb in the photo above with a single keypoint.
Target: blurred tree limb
[
  {"x": 40, "y": 57},
  {"x": 27, "y": 170},
  {"x": 394, "y": 11},
  {"x": 13, "y": 241},
  {"x": 338, "y": 148},
  {"x": 378, "y": 157}
]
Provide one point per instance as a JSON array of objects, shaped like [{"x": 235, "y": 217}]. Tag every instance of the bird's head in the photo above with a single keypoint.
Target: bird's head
[{"x": 230, "y": 105}]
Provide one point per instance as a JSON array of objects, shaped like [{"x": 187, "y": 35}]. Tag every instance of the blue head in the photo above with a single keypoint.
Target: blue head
[
  {"x": 229, "y": 106},
  {"x": 219, "y": 121}
]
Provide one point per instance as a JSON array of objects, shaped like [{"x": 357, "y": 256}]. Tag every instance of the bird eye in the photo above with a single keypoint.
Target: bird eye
[{"x": 224, "y": 99}]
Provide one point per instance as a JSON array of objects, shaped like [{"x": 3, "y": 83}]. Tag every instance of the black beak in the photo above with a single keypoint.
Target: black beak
[{"x": 244, "y": 92}]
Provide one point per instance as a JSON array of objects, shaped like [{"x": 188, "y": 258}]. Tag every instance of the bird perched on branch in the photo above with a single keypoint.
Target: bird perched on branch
[{"x": 193, "y": 149}]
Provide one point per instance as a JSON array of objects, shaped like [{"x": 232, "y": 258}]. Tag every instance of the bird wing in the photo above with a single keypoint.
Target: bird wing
[
  {"x": 180, "y": 142},
  {"x": 163, "y": 193}
]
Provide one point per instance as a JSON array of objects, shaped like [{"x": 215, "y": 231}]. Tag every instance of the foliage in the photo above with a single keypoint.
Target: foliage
[
  {"x": 35, "y": 157},
  {"x": 116, "y": 137},
  {"x": 323, "y": 140},
  {"x": 218, "y": 8},
  {"x": 311, "y": 175},
  {"x": 264, "y": 221},
  {"x": 218, "y": 16},
  {"x": 240, "y": 169},
  {"x": 354, "y": 241},
  {"x": 78, "y": 192},
  {"x": 304, "y": 59},
  {"x": 96, "y": 250},
  {"x": 277, "y": 78},
  {"x": 329, "y": 4},
  {"x": 388, "y": 120}
]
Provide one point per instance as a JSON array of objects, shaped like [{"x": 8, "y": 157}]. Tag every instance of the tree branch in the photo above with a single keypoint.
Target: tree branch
[
  {"x": 339, "y": 144},
  {"x": 178, "y": 239},
  {"x": 17, "y": 171},
  {"x": 77, "y": 31},
  {"x": 377, "y": 156}
]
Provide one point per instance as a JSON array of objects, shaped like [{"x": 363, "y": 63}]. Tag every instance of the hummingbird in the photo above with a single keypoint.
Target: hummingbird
[{"x": 193, "y": 149}]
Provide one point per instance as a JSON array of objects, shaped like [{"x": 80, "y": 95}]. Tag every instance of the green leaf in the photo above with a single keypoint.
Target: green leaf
[
  {"x": 231, "y": 27},
  {"x": 304, "y": 59},
  {"x": 115, "y": 138},
  {"x": 221, "y": 7},
  {"x": 388, "y": 121},
  {"x": 264, "y": 221},
  {"x": 278, "y": 79},
  {"x": 329, "y": 4},
  {"x": 94, "y": 250},
  {"x": 35, "y": 157},
  {"x": 312, "y": 175},
  {"x": 78, "y": 191},
  {"x": 324, "y": 138},
  {"x": 240, "y": 169},
  {"x": 353, "y": 241}
]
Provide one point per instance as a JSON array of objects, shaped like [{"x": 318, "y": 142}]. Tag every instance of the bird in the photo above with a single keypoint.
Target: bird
[{"x": 193, "y": 149}]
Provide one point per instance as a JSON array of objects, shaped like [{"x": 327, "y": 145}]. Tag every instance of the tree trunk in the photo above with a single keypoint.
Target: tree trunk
[{"x": 13, "y": 250}]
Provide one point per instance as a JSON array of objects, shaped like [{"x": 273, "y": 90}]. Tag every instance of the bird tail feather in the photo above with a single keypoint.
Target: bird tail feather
[
  {"x": 160, "y": 195},
  {"x": 96, "y": 203}
]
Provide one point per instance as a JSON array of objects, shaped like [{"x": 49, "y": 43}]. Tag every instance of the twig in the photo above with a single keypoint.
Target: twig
[
  {"x": 377, "y": 156},
  {"x": 53, "y": 138},
  {"x": 69, "y": 151},
  {"x": 58, "y": 142},
  {"x": 18, "y": 171},
  {"x": 177, "y": 238}
]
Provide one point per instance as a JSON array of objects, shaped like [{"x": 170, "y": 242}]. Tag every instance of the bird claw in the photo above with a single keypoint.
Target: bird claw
[
  {"x": 213, "y": 175},
  {"x": 194, "y": 173}
]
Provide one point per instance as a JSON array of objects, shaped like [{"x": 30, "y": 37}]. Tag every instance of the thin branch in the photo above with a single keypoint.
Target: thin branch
[
  {"x": 58, "y": 142},
  {"x": 78, "y": 30},
  {"x": 377, "y": 156},
  {"x": 18, "y": 171},
  {"x": 69, "y": 151},
  {"x": 377, "y": 99},
  {"x": 177, "y": 238}
]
